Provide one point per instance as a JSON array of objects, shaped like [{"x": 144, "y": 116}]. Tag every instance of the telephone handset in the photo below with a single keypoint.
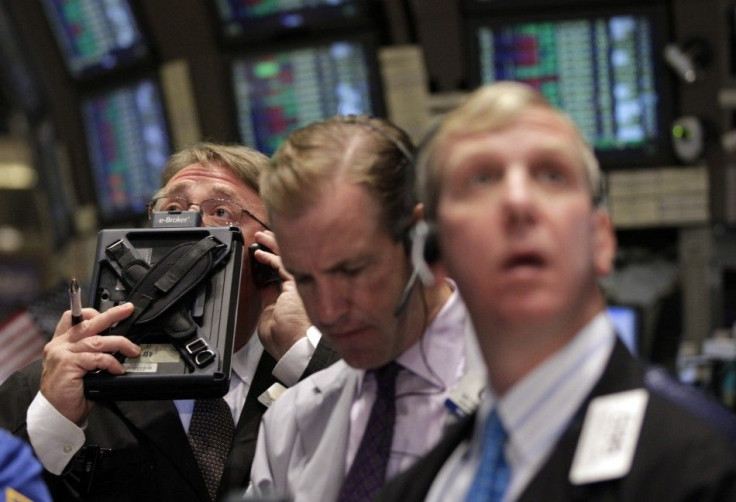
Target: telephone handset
[{"x": 263, "y": 274}]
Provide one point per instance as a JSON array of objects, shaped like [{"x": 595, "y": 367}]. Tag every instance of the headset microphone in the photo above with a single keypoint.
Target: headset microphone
[
  {"x": 406, "y": 294},
  {"x": 424, "y": 252},
  {"x": 409, "y": 202}
]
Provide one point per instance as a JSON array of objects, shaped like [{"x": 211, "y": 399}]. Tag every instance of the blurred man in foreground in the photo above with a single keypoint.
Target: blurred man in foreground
[{"x": 517, "y": 199}]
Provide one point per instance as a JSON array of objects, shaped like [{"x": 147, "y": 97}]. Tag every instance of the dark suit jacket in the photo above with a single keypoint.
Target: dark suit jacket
[
  {"x": 138, "y": 450},
  {"x": 681, "y": 454}
]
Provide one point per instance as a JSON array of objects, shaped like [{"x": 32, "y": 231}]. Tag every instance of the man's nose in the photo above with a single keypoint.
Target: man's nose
[
  {"x": 331, "y": 303},
  {"x": 517, "y": 186},
  {"x": 518, "y": 195}
]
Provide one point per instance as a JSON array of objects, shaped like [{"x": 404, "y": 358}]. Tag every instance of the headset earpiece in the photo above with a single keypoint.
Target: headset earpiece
[{"x": 425, "y": 250}]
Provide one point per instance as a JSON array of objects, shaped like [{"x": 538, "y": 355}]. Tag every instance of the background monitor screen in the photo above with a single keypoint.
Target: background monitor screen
[
  {"x": 21, "y": 281},
  {"x": 95, "y": 37},
  {"x": 56, "y": 186},
  {"x": 128, "y": 144},
  {"x": 250, "y": 19},
  {"x": 603, "y": 69},
  {"x": 17, "y": 78},
  {"x": 279, "y": 91},
  {"x": 626, "y": 322}
]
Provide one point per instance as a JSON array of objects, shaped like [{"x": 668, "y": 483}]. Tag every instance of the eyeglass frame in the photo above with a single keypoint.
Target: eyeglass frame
[{"x": 150, "y": 204}]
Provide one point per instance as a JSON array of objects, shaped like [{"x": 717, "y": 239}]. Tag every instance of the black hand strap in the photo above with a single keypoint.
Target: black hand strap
[
  {"x": 164, "y": 284},
  {"x": 131, "y": 268}
]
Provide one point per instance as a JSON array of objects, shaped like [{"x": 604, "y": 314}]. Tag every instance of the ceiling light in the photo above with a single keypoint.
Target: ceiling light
[{"x": 17, "y": 176}]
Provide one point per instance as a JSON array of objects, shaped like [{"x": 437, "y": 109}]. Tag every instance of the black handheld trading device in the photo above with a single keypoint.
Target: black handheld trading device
[{"x": 184, "y": 283}]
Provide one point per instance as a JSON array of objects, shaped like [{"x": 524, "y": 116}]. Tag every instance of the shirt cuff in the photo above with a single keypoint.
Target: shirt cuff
[
  {"x": 54, "y": 438},
  {"x": 290, "y": 367}
]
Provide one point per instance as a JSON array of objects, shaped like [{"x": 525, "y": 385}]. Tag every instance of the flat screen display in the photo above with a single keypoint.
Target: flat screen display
[
  {"x": 56, "y": 186},
  {"x": 251, "y": 19},
  {"x": 127, "y": 144},
  {"x": 21, "y": 281},
  {"x": 96, "y": 36},
  {"x": 604, "y": 69},
  {"x": 281, "y": 90},
  {"x": 16, "y": 76},
  {"x": 626, "y": 321}
]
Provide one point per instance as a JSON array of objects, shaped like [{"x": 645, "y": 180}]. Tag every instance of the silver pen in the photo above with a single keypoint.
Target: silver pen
[{"x": 75, "y": 301}]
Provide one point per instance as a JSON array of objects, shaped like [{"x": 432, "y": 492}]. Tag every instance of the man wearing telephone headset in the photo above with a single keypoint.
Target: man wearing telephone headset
[
  {"x": 139, "y": 450},
  {"x": 517, "y": 198},
  {"x": 340, "y": 198}
]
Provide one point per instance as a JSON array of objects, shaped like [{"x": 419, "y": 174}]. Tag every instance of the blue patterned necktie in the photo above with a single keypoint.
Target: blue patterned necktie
[
  {"x": 492, "y": 479},
  {"x": 368, "y": 472}
]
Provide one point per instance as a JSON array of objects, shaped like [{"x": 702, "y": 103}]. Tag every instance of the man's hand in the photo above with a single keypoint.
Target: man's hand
[
  {"x": 284, "y": 321},
  {"x": 76, "y": 350}
]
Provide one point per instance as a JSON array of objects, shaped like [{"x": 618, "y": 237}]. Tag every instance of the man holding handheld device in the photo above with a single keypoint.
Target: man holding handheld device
[{"x": 140, "y": 450}]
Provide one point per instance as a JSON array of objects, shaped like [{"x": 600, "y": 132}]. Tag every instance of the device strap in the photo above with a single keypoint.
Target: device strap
[{"x": 164, "y": 284}]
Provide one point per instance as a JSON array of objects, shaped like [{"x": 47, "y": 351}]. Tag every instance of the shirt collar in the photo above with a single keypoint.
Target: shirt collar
[
  {"x": 440, "y": 350},
  {"x": 245, "y": 360},
  {"x": 536, "y": 410}
]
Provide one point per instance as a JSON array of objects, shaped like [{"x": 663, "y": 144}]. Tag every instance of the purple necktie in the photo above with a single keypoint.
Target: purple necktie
[
  {"x": 368, "y": 472},
  {"x": 210, "y": 436}
]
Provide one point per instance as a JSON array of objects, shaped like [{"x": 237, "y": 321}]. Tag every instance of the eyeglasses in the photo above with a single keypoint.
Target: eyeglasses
[{"x": 215, "y": 212}]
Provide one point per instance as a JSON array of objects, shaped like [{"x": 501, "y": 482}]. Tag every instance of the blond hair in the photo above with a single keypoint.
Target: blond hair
[
  {"x": 368, "y": 151},
  {"x": 244, "y": 162}
]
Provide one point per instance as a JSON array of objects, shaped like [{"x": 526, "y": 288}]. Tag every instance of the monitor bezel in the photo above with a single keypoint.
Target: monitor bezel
[
  {"x": 56, "y": 184},
  {"x": 19, "y": 76},
  {"x": 484, "y": 6}
]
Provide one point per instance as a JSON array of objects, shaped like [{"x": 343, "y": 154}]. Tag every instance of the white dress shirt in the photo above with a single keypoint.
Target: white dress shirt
[
  {"x": 244, "y": 364},
  {"x": 56, "y": 440},
  {"x": 534, "y": 412},
  {"x": 430, "y": 370},
  {"x": 289, "y": 368}
]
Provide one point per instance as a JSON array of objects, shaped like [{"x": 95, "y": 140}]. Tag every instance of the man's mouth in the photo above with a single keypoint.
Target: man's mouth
[
  {"x": 346, "y": 334},
  {"x": 524, "y": 260}
]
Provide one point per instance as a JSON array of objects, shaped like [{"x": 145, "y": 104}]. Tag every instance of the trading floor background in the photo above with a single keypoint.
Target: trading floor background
[{"x": 94, "y": 95}]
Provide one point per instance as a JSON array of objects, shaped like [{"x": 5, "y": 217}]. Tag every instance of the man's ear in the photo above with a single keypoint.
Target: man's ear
[
  {"x": 417, "y": 213},
  {"x": 604, "y": 243},
  {"x": 425, "y": 255}
]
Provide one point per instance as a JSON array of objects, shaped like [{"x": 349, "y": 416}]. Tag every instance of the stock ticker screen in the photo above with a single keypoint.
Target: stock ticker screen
[
  {"x": 602, "y": 70},
  {"x": 243, "y": 20},
  {"x": 280, "y": 91},
  {"x": 96, "y": 36},
  {"x": 127, "y": 145}
]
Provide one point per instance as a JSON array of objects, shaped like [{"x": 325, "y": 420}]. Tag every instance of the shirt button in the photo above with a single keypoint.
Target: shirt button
[{"x": 67, "y": 448}]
